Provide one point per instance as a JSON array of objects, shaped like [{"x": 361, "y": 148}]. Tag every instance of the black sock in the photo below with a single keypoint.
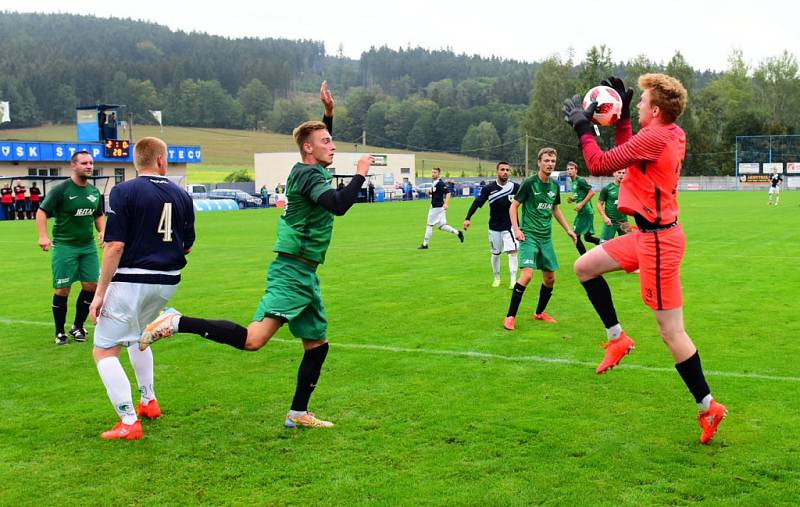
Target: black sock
[
  {"x": 59, "y": 312},
  {"x": 544, "y": 297},
  {"x": 516, "y": 299},
  {"x": 82, "y": 307},
  {"x": 307, "y": 376},
  {"x": 600, "y": 296},
  {"x": 691, "y": 371},
  {"x": 579, "y": 246},
  {"x": 591, "y": 239},
  {"x": 220, "y": 331}
]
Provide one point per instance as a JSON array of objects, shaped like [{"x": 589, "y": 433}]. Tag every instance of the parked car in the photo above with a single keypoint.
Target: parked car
[
  {"x": 242, "y": 198},
  {"x": 197, "y": 191}
]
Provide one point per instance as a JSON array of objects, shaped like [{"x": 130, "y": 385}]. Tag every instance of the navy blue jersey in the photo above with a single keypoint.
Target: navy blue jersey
[
  {"x": 499, "y": 203},
  {"x": 775, "y": 180},
  {"x": 437, "y": 193},
  {"x": 155, "y": 219}
]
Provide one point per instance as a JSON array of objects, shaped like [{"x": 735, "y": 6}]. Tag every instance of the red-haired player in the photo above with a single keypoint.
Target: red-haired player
[{"x": 653, "y": 159}]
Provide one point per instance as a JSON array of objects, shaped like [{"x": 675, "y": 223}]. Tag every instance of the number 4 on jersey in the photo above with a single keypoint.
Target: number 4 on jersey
[{"x": 165, "y": 224}]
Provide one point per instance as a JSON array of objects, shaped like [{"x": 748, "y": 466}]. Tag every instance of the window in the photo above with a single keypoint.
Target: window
[
  {"x": 119, "y": 175},
  {"x": 42, "y": 171},
  {"x": 53, "y": 171},
  {"x": 405, "y": 170},
  {"x": 98, "y": 171}
]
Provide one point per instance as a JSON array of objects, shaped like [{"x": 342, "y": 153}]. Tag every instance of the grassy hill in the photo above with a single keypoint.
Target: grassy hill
[{"x": 227, "y": 150}]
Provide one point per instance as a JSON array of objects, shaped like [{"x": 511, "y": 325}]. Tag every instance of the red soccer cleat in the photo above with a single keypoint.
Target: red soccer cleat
[
  {"x": 509, "y": 323},
  {"x": 710, "y": 419},
  {"x": 150, "y": 411},
  {"x": 615, "y": 351},
  {"x": 544, "y": 317},
  {"x": 123, "y": 431}
]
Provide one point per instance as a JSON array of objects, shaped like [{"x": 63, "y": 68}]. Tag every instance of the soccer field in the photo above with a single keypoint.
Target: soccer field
[{"x": 434, "y": 402}]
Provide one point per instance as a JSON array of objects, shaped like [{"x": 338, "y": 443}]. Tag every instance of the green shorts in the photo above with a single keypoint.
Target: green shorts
[
  {"x": 537, "y": 254},
  {"x": 584, "y": 222},
  {"x": 72, "y": 263},
  {"x": 293, "y": 295},
  {"x": 616, "y": 228}
]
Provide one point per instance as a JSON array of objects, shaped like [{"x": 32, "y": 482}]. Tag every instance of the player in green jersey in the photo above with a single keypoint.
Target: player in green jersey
[
  {"x": 539, "y": 197},
  {"x": 582, "y": 194},
  {"x": 293, "y": 293},
  {"x": 76, "y": 206},
  {"x": 614, "y": 221}
]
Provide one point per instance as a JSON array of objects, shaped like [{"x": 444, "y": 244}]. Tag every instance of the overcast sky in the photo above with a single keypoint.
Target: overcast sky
[{"x": 705, "y": 31}]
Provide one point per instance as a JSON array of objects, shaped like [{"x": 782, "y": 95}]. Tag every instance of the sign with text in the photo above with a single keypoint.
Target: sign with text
[
  {"x": 754, "y": 178},
  {"x": 61, "y": 152},
  {"x": 793, "y": 167},
  {"x": 748, "y": 168},
  {"x": 773, "y": 167}
]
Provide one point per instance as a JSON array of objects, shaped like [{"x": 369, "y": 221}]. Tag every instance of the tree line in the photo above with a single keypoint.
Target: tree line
[{"x": 414, "y": 98}]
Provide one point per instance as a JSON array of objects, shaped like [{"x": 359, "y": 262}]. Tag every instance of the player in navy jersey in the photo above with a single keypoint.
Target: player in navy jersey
[
  {"x": 440, "y": 199},
  {"x": 149, "y": 231},
  {"x": 775, "y": 188},
  {"x": 499, "y": 193}
]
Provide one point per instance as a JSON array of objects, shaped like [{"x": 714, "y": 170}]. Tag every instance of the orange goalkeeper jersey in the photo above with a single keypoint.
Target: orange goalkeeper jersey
[{"x": 653, "y": 159}]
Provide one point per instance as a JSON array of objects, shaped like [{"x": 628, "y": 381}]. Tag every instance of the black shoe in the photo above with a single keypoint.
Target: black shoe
[
  {"x": 78, "y": 333},
  {"x": 461, "y": 236},
  {"x": 61, "y": 339},
  {"x": 422, "y": 247}
]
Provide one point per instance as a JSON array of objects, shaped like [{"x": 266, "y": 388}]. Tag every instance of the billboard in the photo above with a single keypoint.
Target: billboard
[
  {"x": 793, "y": 167},
  {"x": 748, "y": 168},
  {"x": 773, "y": 167}
]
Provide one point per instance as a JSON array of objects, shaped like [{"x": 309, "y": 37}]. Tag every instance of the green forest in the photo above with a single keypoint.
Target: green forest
[{"x": 408, "y": 98}]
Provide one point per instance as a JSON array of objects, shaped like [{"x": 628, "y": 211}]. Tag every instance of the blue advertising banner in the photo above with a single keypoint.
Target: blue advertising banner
[{"x": 11, "y": 151}]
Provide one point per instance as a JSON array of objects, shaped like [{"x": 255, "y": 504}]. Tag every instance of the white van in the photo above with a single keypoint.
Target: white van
[{"x": 197, "y": 191}]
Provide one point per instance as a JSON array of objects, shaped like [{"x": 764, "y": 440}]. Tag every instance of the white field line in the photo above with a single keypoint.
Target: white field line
[{"x": 498, "y": 357}]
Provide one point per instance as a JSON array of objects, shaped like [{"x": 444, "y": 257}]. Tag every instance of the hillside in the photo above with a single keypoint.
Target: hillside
[{"x": 226, "y": 150}]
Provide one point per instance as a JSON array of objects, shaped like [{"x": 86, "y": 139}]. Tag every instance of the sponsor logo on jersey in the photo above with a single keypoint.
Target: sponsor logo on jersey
[
  {"x": 84, "y": 212},
  {"x": 544, "y": 205}
]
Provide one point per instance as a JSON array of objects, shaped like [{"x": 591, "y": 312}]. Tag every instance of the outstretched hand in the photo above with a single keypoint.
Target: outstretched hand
[
  {"x": 626, "y": 94},
  {"x": 326, "y": 97},
  {"x": 580, "y": 119}
]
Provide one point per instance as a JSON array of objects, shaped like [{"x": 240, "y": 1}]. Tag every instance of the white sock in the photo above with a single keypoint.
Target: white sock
[
  {"x": 142, "y": 362},
  {"x": 705, "y": 405},
  {"x": 614, "y": 332},
  {"x": 512, "y": 266},
  {"x": 118, "y": 388},
  {"x": 447, "y": 228},
  {"x": 296, "y": 413},
  {"x": 496, "y": 266},
  {"x": 777, "y": 198},
  {"x": 428, "y": 233}
]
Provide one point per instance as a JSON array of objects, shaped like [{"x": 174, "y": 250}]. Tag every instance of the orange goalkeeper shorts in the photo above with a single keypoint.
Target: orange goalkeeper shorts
[{"x": 657, "y": 255}]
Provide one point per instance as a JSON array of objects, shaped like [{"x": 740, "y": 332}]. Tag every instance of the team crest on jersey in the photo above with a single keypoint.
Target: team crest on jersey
[
  {"x": 511, "y": 198},
  {"x": 551, "y": 194},
  {"x": 91, "y": 198}
]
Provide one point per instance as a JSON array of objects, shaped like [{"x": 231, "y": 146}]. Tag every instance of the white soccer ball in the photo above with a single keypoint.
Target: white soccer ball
[{"x": 609, "y": 104}]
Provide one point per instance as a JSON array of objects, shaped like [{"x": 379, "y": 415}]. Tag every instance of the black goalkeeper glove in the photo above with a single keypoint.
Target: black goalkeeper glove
[
  {"x": 626, "y": 94},
  {"x": 577, "y": 117}
]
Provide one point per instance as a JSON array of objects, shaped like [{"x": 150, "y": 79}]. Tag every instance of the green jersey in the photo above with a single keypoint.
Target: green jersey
[
  {"x": 305, "y": 227},
  {"x": 75, "y": 209},
  {"x": 581, "y": 188},
  {"x": 610, "y": 196},
  {"x": 537, "y": 199}
]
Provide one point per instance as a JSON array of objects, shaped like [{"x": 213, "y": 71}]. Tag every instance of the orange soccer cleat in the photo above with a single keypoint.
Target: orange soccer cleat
[
  {"x": 122, "y": 431},
  {"x": 509, "y": 323},
  {"x": 710, "y": 419},
  {"x": 544, "y": 317},
  {"x": 151, "y": 410},
  {"x": 615, "y": 351}
]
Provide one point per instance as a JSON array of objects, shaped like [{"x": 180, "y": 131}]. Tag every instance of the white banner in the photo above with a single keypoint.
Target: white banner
[
  {"x": 5, "y": 113},
  {"x": 773, "y": 167},
  {"x": 793, "y": 182},
  {"x": 748, "y": 168},
  {"x": 157, "y": 116},
  {"x": 793, "y": 167}
]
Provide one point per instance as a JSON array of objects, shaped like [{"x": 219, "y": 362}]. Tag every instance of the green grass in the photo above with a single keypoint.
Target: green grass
[
  {"x": 225, "y": 150},
  {"x": 435, "y": 404}
]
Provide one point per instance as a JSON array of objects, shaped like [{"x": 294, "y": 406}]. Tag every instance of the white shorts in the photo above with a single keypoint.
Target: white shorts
[
  {"x": 774, "y": 190},
  {"x": 436, "y": 217},
  {"x": 502, "y": 241},
  {"x": 127, "y": 309}
]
